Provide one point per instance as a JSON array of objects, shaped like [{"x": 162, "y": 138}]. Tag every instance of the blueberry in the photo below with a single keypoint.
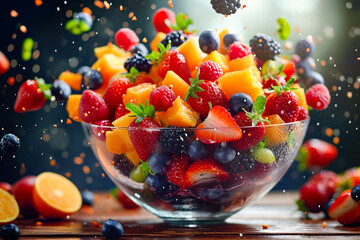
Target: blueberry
[
  {"x": 243, "y": 162},
  {"x": 87, "y": 198},
  {"x": 240, "y": 101},
  {"x": 355, "y": 193},
  {"x": 314, "y": 78},
  {"x": 140, "y": 48},
  {"x": 84, "y": 17},
  {"x": 93, "y": 80},
  {"x": 327, "y": 206},
  {"x": 10, "y": 232},
  {"x": 305, "y": 48},
  {"x": 84, "y": 69},
  {"x": 157, "y": 161},
  {"x": 224, "y": 154},
  {"x": 305, "y": 67},
  {"x": 10, "y": 143},
  {"x": 196, "y": 150},
  {"x": 60, "y": 90},
  {"x": 112, "y": 230},
  {"x": 230, "y": 38},
  {"x": 209, "y": 41},
  {"x": 213, "y": 194},
  {"x": 160, "y": 184}
]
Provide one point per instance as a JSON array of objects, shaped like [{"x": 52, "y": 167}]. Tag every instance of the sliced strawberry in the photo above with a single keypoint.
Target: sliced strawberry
[
  {"x": 204, "y": 171},
  {"x": 343, "y": 205},
  {"x": 218, "y": 127},
  {"x": 177, "y": 169},
  {"x": 114, "y": 93},
  {"x": 92, "y": 107},
  {"x": 351, "y": 217}
]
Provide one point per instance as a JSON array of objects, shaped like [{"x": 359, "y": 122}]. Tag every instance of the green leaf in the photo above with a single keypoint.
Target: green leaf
[
  {"x": 113, "y": 192},
  {"x": 157, "y": 56},
  {"x": 132, "y": 107},
  {"x": 259, "y": 104},
  {"x": 194, "y": 87},
  {"x": 183, "y": 22},
  {"x": 289, "y": 83},
  {"x": 139, "y": 119},
  {"x": 210, "y": 104},
  {"x": 261, "y": 144},
  {"x": 283, "y": 28},
  {"x": 301, "y": 205},
  {"x": 45, "y": 88},
  {"x": 281, "y": 69},
  {"x": 133, "y": 74}
]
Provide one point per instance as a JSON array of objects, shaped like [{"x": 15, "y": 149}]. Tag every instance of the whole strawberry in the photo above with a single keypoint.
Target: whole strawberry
[
  {"x": 204, "y": 94},
  {"x": 161, "y": 17},
  {"x": 283, "y": 102},
  {"x": 318, "y": 97},
  {"x": 120, "y": 111},
  {"x": 314, "y": 195},
  {"x": 114, "y": 93},
  {"x": 144, "y": 131},
  {"x": 170, "y": 60},
  {"x": 92, "y": 107},
  {"x": 32, "y": 95}
]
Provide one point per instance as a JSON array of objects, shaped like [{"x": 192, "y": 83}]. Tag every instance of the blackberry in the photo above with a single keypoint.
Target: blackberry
[
  {"x": 243, "y": 162},
  {"x": 123, "y": 164},
  {"x": 226, "y": 7},
  {"x": 139, "y": 62},
  {"x": 264, "y": 47},
  {"x": 176, "y": 38},
  {"x": 174, "y": 140}
]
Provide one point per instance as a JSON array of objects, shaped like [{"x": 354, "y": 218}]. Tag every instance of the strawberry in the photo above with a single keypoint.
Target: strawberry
[
  {"x": 100, "y": 132},
  {"x": 114, "y": 93},
  {"x": 314, "y": 196},
  {"x": 204, "y": 171},
  {"x": 120, "y": 111},
  {"x": 126, "y": 38},
  {"x": 318, "y": 96},
  {"x": 183, "y": 23},
  {"x": 327, "y": 177},
  {"x": 32, "y": 95},
  {"x": 273, "y": 82},
  {"x": 218, "y": 127},
  {"x": 136, "y": 77},
  {"x": 143, "y": 131},
  {"x": 4, "y": 64},
  {"x": 125, "y": 201},
  {"x": 316, "y": 154},
  {"x": 170, "y": 60},
  {"x": 202, "y": 94},
  {"x": 161, "y": 17},
  {"x": 177, "y": 169},
  {"x": 162, "y": 98},
  {"x": 283, "y": 102},
  {"x": 92, "y": 107},
  {"x": 350, "y": 178},
  {"x": 210, "y": 71},
  {"x": 303, "y": 114},
  {"x": 289, "y": 68},
  {"x": 345, "y": 209}
]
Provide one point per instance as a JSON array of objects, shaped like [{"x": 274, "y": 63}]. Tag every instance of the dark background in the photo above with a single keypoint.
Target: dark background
[{"x": 334, "y": 24}]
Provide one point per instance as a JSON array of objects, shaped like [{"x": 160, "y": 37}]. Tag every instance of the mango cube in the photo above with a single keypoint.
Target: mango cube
[
  {"x": 178, "y": 85},
  {"x": 192, "y": 53},
  {"x": 72, "y": 107},
  {"x": 239, "y": 64},
  {"x": 73, "y": 79}
]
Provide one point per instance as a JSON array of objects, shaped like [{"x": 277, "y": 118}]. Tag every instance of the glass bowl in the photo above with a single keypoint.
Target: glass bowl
[{"x": 207, "y": 191}]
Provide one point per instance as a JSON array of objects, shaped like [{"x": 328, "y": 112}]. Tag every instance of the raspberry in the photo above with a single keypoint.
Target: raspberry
[
  {"x": 302, "y": 114},
  {"x": 174, "y": 140},
  {"x": 162, "y": 98},
  {"x": 126, "y": 38},
  {"x": 177, "y": 169},
  {"x": 238, "y": 50},
  {"x": 139, "y": 62},
  {"x": 123, "y": 164},
  {"x": 318, "y": 97},
  {"x": 159, "y": 18},
  {"x": 226, "y": 7},
  {"x": 120, "y": 111},
  {"x": 176, "y": 38},
  {"x": 264, "y": 47},
  {"x": 210, "y": 71}
]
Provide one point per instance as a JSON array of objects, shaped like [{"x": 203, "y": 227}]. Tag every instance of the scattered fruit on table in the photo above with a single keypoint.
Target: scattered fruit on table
[
  {"x": 9, "y": 143},
  {"x": 10, "y": 232},
  {"x": 87, "y": 198},
  {"x": 112, "y": 230},
  {"x": 9, "y": 209},
  {"x": 125, "y": 201}
]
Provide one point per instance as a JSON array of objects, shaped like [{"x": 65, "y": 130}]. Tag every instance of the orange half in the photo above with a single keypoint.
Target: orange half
[
  {"x": 55, "y": 196},
  {"x": 9, "y": 209}
]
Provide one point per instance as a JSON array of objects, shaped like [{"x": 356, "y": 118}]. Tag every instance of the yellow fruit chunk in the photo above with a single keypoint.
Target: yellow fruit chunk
[
  {"x": 222, "y": 33},
  {"x": 138, "y": 94},
  {"x": 154, "y": 75},
  {"x": 158, "y": 38},
  {"x": 72, "y": 107},
  {"x": 111, "y": 48},
  {"x": 300, "y": 92},
  {"x": 133, "y": 157},
  {"x": 178, "y": 85},
  {"x": 245, "y": 81},
  {"x": 73, "y": 79},
  {"x": 108, "y": 65},
  {"x": 124, "y": 121},
  {"x": 194, "y": 73},
  {"x": 217, "y": 57},
  {"x": 9, "y": 208},
  {"x": 181, "y": 114},
  {"x": 241, "y": 63},
  {"x": 55, "y": 196},
  {"x": 275, "y": 134},
  {"x": 192, "y": 53}
]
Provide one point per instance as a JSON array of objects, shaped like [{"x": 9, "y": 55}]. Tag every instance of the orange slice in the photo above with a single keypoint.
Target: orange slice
[
  {"x": 9, "y": 209},
  {"x": 55, "y": 196}
]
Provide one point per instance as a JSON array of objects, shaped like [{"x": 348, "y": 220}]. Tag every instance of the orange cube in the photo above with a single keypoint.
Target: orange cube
[
  {"x": 154, "y": 75},
  {"x": 178, "y": 85},
  {"x": 242, "y": 63},
  {"x": 111, "y": 48},
  {"x": 192, "y": 53},
  {"x": 217, "y": 57},
  {"x": 275, "y": 134},
  {"x": 158, "y": 38},
  {"x": 73, "y": 79},
  {"x": 72, "y": 107},
  {"x": 222, "y": 33},
  {"x": 138, "y": 94},
  {"x": 118, "y": 141},
  {"x": 300, "y": 92}
]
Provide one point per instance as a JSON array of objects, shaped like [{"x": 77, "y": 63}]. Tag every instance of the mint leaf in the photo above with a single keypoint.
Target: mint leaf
[
  {"x": 142, "y": 111},
  {"x": 259, "y": 104},
  {"x": 257, "y": 110},
  {"x": 183, "y": 22},
  {"x": 132, "y": 107},
  {"x": 133, "y": 74},
  {"x": 157, "y": 56},
  {"x": 194, "y": 87},
  {"x": 45, "y": 88}
]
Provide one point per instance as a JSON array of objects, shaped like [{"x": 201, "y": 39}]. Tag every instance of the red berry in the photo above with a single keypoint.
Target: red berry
[
  {"x": 125, "y": 201},
  {"x": 175, "y": 62},
  {"x": 177, "y": 169},
  {"x": 238, "y": 50},
  {"x": 159, "y": 18},
  {"x": 121, "y": 111},
  {"x": 100, "y": 132},
  {"x": 285, "y": 105},
  {"x": 329, "y": 178},
  {"x": 289, "y": 69},
  {"x": 210, "y": 71},
  {"x": 4, "y": 64},
  {"x": 141, "y": 78},
  {"x": 251, "y": 136},
  {"x": 318, "y": 153},
  {"x": 23, "y": 192},
  {"x": 212, "y": 93},
  {"x": 126, "y": 38},
  {"x": 315, "y": 195},
  {"x": 29, "y": 97},
  {"x": 162, "y": 98},
  {"x": 318, "y": 97},
  {"x": 92, "y": 107},
  {"x": 5, "y": 186},
  {"x": 114, "y": 93},
  {"x": 272, "y": 82},
  {"x": 302, "y": 114}
]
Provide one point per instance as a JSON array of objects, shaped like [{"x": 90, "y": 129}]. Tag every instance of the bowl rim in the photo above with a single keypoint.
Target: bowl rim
[{"x": 307, "y": 120}]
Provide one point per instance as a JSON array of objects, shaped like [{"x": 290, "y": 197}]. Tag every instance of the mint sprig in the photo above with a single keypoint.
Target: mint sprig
[
  {"x": 133, "y": 74},
  {"x": 145, "y": 168},
  {"x": 278, "y": 89},
  {"x": 257, "y": 110},
  {"x": 142, "y": 111},
  {"x": 156, "y": 57},
  {"x": 194, "y": 87},
  {"x": 182, "y": 22},
  {"x": 272, "y": 72},
  {"x": 45, "y": 88}
]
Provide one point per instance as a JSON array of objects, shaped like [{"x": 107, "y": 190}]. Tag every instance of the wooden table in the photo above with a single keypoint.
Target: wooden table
[{"x": 277, "y": 210}]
